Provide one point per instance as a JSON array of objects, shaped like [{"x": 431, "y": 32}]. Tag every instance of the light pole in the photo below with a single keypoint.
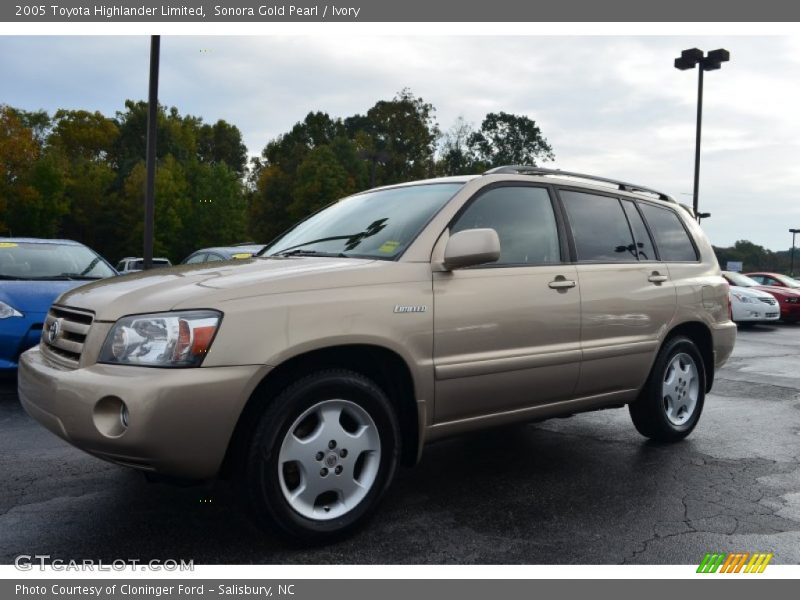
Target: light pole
[
  {"x": 689, "y": 59},
  {"x": 791, "y": 268},
  {"x": 150, "y": 156}
]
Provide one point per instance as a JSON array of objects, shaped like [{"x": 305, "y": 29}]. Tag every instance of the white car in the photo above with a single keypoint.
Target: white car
[
  {"x": 134, "y": 264},
  {"x": 749, "y": 305}
]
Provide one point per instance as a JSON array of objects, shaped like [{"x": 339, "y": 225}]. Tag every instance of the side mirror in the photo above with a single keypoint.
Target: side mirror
[{"x": 471, "y": 247}]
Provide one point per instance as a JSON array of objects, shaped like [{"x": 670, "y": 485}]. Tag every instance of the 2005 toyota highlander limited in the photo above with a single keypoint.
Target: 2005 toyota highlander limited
[{"x": 389, "y": 319}]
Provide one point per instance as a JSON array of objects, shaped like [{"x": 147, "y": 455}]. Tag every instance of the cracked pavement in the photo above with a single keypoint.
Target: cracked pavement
[{"x": 586, "y": 490}]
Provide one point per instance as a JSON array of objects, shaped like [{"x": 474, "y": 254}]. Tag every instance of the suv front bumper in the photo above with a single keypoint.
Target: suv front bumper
[{"x": 179, "y": 421}]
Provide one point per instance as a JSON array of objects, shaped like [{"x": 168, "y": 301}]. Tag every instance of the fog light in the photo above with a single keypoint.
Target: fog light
[{"x": 110, "y": 416}]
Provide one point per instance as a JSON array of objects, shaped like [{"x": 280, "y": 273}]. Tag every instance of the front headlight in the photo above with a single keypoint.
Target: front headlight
[
  {"x": 7, "y": 311},
  {"x": 173, "y": 339},
  {"x": 742, "y": 298},
  {"x": 791, "y": 300}
]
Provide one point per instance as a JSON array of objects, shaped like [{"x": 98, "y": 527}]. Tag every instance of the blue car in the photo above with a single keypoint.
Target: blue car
[{"x": 33, "y": 273}]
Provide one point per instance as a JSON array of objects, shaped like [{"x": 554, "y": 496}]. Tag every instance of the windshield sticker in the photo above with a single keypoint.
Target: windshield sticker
[
  {"x": 8, "y": 245},
  {"x": 389, "y": 246},
  {"x": 241, "y": 255}
]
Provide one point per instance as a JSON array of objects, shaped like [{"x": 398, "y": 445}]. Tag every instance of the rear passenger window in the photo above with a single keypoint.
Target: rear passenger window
[
  {"x": 674, "y": 244},
  {"x": 523, "y": 219},
  {"x": 599, "y": 227},
  {"x": 644, "y": 245}
]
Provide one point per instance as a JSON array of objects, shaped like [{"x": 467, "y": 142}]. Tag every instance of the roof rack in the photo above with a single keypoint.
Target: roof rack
[{"x": 621, "y": 185}]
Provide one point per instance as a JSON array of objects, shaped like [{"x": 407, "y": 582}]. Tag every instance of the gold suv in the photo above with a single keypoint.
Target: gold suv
[{"x": 391, "y": 318}]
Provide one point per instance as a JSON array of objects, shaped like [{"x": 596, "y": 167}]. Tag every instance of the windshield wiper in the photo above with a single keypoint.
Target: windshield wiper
[
  {"x": 79, "y": 276},
  {"x": 352, "y": 240},
  {"x": 90, "y": 266},
  {"x": 62, "y": 277},
  {"x": 301, "y": 252}
]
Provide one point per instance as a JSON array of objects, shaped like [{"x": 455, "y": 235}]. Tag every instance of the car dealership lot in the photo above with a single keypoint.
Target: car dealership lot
[{"x": 583, "y": 490}]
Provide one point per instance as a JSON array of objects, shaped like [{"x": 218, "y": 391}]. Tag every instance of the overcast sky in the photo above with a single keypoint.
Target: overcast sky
[{"x": 612, "y": 106}]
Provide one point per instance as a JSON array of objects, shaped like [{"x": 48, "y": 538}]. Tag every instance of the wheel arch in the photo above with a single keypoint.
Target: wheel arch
[
  {"x": 384, "y": 366},
  {"x": 700, "y": 334}
]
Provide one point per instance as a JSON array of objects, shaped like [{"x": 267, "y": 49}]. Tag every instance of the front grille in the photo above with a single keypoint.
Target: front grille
[
  {"x": 770, "y": 301},
  {"x": 73, "y": 327}
]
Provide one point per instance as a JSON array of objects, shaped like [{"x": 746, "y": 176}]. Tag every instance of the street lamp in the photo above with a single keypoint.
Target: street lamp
[
  {"x": 689, "y": 59},
  {"x": 150, "y": 153},
  {"x": 791, "y": 268}
]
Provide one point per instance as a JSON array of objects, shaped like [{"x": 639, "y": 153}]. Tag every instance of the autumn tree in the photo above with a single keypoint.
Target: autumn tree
[{"x": 22, "y": 208}]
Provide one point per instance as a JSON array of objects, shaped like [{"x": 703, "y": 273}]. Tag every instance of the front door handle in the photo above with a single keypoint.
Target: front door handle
[
  {"x": 656, "y": 277},
  {"x": 560, "y": 283}
]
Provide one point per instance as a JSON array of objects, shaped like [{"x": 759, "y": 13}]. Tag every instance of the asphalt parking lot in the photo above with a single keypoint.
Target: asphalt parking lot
[{"x": 587, "y": 489}]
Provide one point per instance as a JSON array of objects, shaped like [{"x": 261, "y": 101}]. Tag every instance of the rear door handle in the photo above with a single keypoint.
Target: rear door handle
[
  {"x": 561, "y": 284},
  {"x": 657, "y": 278}
]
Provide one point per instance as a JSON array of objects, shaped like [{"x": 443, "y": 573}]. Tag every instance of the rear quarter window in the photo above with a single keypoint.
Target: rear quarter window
[{"x": 672, "y": 239}]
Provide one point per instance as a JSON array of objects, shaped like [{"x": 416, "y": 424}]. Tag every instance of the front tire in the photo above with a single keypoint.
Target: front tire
[
  {"x": 671, "y": 402},
  {"x": 322, "y": 456}
]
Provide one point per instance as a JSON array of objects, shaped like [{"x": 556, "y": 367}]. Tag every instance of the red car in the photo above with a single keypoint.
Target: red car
[
  {"x": 788, "y": 297},
  {"x": 774, "y": 279}
]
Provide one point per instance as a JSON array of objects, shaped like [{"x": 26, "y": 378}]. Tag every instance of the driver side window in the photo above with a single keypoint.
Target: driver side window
[{"x": 524, "y": 221}]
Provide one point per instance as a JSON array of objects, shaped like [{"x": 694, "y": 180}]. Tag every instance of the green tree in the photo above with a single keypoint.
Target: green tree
[
  {"x": 456, "y": 156},
  {"x": 215, "y": 209},
  {"x": 311, "y": 165},
  {"x": 171, "y": 206},
  {"x": 269, "y": 203},
  {"x": 397, "y": 138},
  {"x": 506, "y": 139},
  {"x": 321, "y": 179},
  {"x": 79, "y": 148},
  {"x": 222, "y": 143}
]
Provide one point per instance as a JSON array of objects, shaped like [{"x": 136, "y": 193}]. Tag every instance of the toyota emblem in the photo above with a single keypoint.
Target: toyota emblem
[{"x": 52, "y": 332}]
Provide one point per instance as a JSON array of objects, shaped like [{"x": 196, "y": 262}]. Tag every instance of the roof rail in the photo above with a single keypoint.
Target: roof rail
[{"x": 621, "y": 185}]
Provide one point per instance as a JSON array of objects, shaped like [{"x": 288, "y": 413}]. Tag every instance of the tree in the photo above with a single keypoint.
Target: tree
[
  {"x": 456, "y": 156},
  {"x": 171, "y": 206},
  {"x": 506, "y": 139},
  {"x": 38, "y": 121},
  {"x": 215, "y": 208},
  {"x": 20, "y": 202},
  {"x": 80, "y": 135},
  {"x": 222, "y": 143},
  {"x": 300, "y": 171},
  {"x": 321, "y": 179},
  {"x": 269, "y": 202},
  {"x": 397, "y": 138}
]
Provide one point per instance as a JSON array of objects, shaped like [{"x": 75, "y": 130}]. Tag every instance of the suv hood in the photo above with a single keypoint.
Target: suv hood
[{"x": 207, "y": 285}]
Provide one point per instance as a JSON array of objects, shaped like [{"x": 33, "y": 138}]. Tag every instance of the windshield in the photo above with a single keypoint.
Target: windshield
[
  {"x": 26, "y": 260},
  {"x": 379, "y": 224},
  {"x": 740, "y": 280},
  {"x": 787, "y": 281}
]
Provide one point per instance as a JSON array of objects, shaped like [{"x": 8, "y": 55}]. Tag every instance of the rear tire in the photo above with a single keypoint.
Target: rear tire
[
  {"x": 321, "y": 457},
  {"x": 671, "y": 402}
]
